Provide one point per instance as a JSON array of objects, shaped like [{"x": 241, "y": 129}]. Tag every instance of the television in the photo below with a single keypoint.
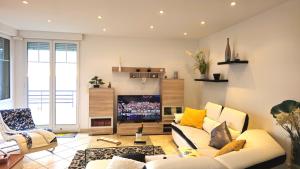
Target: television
[{"x": 139, "y": 108}]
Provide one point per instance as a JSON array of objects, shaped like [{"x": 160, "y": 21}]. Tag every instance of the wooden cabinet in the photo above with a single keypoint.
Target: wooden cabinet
[
  {"x": 172, "y": 99},
  {"x": 101, "y": 110},
  {"x": 172, "y": 92},
  {"x": 131, "y": 128}
]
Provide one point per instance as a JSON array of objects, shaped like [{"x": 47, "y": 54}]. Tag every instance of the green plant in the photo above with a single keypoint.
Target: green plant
[
  {"x": 96, "y": 81},
  {"x": 287, "y": 115},
  {"x": 201, "y": 62}
]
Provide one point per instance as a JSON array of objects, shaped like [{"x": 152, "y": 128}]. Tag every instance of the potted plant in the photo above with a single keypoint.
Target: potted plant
[
  {"x": 96, "y": 82},
  {"x": 201, "y": 64},
  {"x": 287, "y": 115}
]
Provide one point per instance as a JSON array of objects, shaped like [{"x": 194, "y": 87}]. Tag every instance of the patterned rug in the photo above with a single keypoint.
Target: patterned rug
[{"x": 82, "y": 157}]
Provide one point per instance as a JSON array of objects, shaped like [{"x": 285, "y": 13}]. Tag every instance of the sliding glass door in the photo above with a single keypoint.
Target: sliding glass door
[{"x": 52, "y": 84}]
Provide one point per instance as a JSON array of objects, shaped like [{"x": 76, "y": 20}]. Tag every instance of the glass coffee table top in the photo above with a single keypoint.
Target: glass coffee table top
[{"x": 125, "y": 141}]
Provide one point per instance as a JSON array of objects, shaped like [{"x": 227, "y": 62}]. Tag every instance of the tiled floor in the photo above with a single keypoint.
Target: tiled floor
[{"x": 67, "y": 147}]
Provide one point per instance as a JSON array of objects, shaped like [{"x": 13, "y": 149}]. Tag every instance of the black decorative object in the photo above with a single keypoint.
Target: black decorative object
[
  {"x": 227, "y": 51},
  {"x": 149, "y": 70},
  {"x": 138, "y": 70},
  {"x": 217, "y": 76},
  {"x": 109, "y": 85}
]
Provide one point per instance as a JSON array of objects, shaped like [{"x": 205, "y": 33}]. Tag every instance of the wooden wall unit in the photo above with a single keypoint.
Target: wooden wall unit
[{"x": 101, "y": 108}]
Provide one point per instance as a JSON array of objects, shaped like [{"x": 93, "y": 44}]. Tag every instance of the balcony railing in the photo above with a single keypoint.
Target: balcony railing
[{"x": 42, "y": 97}]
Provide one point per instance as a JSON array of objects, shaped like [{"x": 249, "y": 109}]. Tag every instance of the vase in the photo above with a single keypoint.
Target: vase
[
  {"x": 227, "y": 51},
  {"x": 296, "y": 153},
  {"x": 202, "y": 76}
]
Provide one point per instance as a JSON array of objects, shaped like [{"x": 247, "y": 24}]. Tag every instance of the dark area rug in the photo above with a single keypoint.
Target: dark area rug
[{"x": 84, "y": 156}]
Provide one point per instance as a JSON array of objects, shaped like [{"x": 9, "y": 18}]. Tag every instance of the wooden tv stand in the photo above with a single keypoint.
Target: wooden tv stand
[{"x": 124, "y": 128}]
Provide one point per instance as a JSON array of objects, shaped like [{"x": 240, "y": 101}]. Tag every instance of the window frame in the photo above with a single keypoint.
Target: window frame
[{"x": 9, "y": 103}]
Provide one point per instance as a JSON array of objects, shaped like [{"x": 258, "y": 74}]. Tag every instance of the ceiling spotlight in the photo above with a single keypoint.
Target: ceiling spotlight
[
  {"x": 203, "y": 22},
  {"x": 233, "y": 3},
  {"x": 49, "y": 20},
  {"x": 104, "y": 29},
  {"x": 185, "y": 33},
  {"x": 25, "y": 2},
  {"x": 99, "y": 17},
  {"x": 161, "y": 12},
  {"x": 151, "y": 27}
]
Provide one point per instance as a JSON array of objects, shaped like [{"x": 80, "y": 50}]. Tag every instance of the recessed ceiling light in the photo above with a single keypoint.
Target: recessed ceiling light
[
  {"x": 151, "y": 27},
  {"x": 49, "y": 20},
  {"x": 104, "y": 29},
  {"x": 161, "y": 12},
  {"x": 203, "y": 22},
  {"x": 185, "y": 33},
  {"x": 233, "y": 3},
  {"x": 25, "y": 2},
  {"x": 99, "y": 17}
]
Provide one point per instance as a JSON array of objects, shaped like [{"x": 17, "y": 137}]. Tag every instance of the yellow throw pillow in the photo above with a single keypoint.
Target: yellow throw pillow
[
  {"x": 193, "y": 117},
  {"x": 235, "y": 145}
]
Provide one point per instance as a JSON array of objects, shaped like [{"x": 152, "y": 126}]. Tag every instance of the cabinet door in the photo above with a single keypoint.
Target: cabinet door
[
  {"x": 172, "y": 92},
  {"x": 101, "y": 102}
]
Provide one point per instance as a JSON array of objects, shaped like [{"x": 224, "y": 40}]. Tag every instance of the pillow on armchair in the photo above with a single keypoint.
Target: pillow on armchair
[
  {"x": 18, "y": 119},
  {"x": 124, "y": 163}
]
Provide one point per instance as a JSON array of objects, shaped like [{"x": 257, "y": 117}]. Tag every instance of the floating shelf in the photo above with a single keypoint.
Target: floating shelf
[
  {"x": 212, "y": 80},
  {"x": 233, "y": 62},
  {"x": 141, "y": 72},
  {"x": 141, "y": 69}
]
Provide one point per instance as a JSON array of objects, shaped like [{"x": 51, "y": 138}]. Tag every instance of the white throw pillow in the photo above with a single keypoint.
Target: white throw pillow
[
  {"x": 209, "y": 124},
  {"x": 124, "y": 163},
  {"x": 178, "y": 117}
]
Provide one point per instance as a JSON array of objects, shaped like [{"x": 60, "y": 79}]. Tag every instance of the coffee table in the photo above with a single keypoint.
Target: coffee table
[{"x": 126, "y": 141}]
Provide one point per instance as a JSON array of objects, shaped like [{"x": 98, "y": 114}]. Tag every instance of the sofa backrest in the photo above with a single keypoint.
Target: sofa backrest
[
  {"x": 213, "y": 110},
  {"x": 235, "y": 119}
]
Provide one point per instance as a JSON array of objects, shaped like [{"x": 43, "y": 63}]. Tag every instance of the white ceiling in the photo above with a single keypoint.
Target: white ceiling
[{"x": 130, "y": 18}]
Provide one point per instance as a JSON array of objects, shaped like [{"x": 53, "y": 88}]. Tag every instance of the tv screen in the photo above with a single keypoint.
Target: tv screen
[{"x": 139, "y": 108}]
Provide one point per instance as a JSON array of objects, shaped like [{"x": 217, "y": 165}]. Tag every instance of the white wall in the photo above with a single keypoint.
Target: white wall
[
  {"x": 270, "y": 41},
  {"x": 99, "y": 54}
]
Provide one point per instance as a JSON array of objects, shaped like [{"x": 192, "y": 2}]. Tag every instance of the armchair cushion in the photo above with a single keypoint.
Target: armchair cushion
[{"x": 18, "y": 119}]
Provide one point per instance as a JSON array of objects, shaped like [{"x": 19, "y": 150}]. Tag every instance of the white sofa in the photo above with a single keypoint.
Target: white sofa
[
  {"x": 264, "y": 151},
  {"x": 261, "y": 151}
]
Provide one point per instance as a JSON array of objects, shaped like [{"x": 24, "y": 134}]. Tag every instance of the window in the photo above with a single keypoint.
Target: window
[{"x": 4, "y": 69}]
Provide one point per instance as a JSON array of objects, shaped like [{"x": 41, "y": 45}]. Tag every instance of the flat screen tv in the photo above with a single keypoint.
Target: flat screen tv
[{"x": 139, "y": 108}]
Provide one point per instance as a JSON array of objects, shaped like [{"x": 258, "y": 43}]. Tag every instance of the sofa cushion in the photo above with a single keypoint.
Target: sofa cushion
[
  {"x": 189, "y": 163},
  {"x": 199, "y": 138},
  {"x": 260, "y": 146},
  {"x": 220, "y": 136},
  {"x": 213, "y": 110},
  {"x": 235, "y": 119},
  {"x": 193, "y": 117}
]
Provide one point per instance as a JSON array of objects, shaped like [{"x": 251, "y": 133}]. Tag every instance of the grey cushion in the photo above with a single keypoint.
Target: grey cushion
[{"x": 220, "y": 136}]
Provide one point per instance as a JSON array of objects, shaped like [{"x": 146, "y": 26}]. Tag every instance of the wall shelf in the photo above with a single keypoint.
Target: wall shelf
[
  {"x": 233, "y": 62},
  {"x": 141, "y": 72},
  {"x": 212, "y": 80}
]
